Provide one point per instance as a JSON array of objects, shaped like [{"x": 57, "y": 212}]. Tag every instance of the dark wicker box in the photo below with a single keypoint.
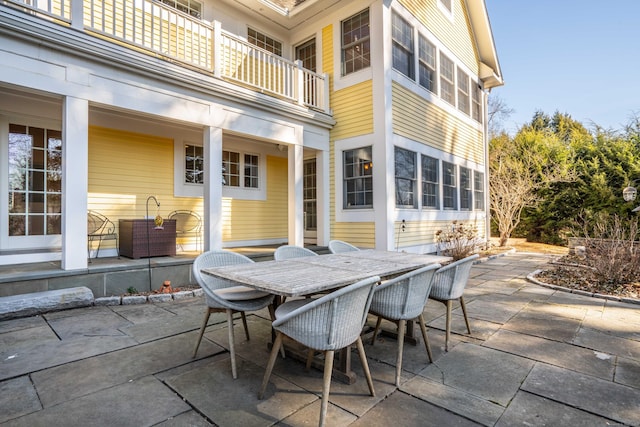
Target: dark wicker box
[{"x": 133, "y": 238}]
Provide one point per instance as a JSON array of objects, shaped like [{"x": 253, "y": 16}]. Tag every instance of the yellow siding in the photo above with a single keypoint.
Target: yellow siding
[
  {"x": 416, "y": 118},
  {"x": 455, "y": 35},
  {"x": 353, "y": 111},
  {"x": 327, "y": 53},
  {"x": 260, "y": 219},
  {"x": 361, "y": 234},
  {"x": 423, "y": 232}
]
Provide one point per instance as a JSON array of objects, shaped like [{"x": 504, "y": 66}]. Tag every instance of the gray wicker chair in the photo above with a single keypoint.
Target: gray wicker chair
[
  {"x": 400, "y": 299},
  {"x": 291, "y": 251},
  {"x": 326, "y": 324},
  {"x": 338, "y": 246},
  {"x": 226, "y": 296},
  {"x": 448, "y": 285}
]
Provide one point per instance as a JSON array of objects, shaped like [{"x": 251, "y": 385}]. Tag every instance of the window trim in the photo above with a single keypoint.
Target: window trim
[
  {"x": 465, "y": 188},
  {"x": 423, "y": 61},
  {"x": 445, "y": 80},
  {"x": 425, "y": 181},
  {"x": 453, "y": 188},
  {"x": 413, "y": 194},
  {"x": 364, "y": 41},
  {"x": 346, "y": 179},
  {"x": 463, "y": 91},
  {"x": 265, "y": 45},
  {"x": 399, "y": 45},
  {"x": 478, "y": 191}
]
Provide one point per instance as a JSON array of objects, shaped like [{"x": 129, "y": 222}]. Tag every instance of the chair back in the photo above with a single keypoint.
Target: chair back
[
  {"x": 333, "y": 321},
  {"x": 404, "y": 297},
  {"x": 216, "y": 258},
  {"x": 338, "y": 246},
  {"x": 98, "y": 224},
  {"x": 449, "y": 282},
  {"x": 186, "y": 221},
  {"x": 291, "y": 251}
]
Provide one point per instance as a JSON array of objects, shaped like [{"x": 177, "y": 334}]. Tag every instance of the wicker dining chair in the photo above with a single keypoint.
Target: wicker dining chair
[
  {"x": 401, "y": 299},
  {"x": 327, "y": 324},
  {"x": 291, "y": 251},
  {"x": 338, "y": 246},
  {"x": 227, "y": 296},
  {"x": 448, "y": 285}
]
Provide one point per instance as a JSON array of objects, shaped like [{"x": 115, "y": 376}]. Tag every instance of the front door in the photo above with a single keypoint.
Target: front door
[{"x": 310, "y": 206}]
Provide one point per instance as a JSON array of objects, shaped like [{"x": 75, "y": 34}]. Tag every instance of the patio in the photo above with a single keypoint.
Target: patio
[{"x": 536, "y": 356}]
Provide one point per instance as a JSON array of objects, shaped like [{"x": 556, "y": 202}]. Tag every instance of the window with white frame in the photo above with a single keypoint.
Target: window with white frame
[
  {"x": 478, "y": 190},
  {"x": 463, "y": 92},
  {"x": 240, "y": 170},
  {"x": 447, "y": 82},
  {"x": 190, "y": 7},
  {"x": 476, "y": 102},
  {"x": 402, "y": 45},
  {"x": 356, "y": 45},
  {"x": 406, "y": 178},
  {"x": 449, "y": 186},
  {"x": 193, "y": 164},
  {"x": 263, "y": 41},
  {"x": 358, "y": 178},
  {"x": 430, "y": 175},
  {"x": 251, "y": 179},
  {"x": 466, "y": 189},
  {"x": 427, "y": 65}
]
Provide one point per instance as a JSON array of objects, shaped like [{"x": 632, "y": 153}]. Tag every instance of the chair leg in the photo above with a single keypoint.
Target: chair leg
[
  {"x": 272, "y": 361},
  {"x": 244, "y": 323},
  {"x": 310, "y": 353},
  {"x": 448, "y": 326},
  {"x": 423, "y": 329},
  {"x": 326, "y": 386},
  {"x": 202, "y": 328},
  {"x": 375, "y": 331},
  {"x": 464, "y": 311},
  {"x": 402, "y": 325},
  {"x": 365, "y": 366},
  {"x": 232, "y": 346}
]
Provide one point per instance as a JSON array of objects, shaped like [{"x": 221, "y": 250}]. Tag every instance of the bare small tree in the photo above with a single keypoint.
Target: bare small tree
[{"x": 497, "y": 112}]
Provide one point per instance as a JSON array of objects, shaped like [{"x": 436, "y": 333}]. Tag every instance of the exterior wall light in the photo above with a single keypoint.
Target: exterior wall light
[{"x": 629, "y": 193}]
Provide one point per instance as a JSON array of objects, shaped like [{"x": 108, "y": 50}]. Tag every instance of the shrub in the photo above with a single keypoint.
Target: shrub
[{"x": 459, "y": 240}]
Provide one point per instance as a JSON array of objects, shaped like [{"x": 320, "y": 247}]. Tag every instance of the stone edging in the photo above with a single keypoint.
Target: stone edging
[{"x": 143, "y": 299}]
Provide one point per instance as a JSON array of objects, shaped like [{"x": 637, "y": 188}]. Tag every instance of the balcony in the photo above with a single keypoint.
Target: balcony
[{"x": 167, "y": 33}]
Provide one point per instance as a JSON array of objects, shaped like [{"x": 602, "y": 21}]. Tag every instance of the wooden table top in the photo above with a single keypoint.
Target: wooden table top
[{"x": 309, "y": 275}]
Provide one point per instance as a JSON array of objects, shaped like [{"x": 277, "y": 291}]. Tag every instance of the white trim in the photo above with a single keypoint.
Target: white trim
[
  {"x": 340, "y": 81},
  {"x": 352, "y": 215}
]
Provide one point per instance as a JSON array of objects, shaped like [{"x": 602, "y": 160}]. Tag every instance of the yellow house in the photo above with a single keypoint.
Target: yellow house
[{"x": 275, "y": 121}]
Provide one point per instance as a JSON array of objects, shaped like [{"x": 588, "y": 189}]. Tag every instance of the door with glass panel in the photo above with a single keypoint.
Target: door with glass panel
[{"x": 309, "y": 201}]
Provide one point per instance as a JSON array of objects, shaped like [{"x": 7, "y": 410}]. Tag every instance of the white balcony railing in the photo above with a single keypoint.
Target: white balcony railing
[{"x": 156, "y": 28}]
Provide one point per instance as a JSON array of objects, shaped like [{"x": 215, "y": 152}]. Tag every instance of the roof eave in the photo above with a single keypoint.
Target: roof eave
[{"x": 490, "y": 71}]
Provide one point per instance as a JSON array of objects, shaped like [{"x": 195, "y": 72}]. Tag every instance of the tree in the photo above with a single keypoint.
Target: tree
[
  {"x": 519, "y": 169},
  {"x": 497, "y": 113}
]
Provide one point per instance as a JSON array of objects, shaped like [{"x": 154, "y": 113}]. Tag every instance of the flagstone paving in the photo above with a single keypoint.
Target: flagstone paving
[{"x": 536, "y": 356}]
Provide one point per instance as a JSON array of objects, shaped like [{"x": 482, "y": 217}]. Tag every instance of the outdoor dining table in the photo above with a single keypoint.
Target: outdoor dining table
[{"x": 298, "y": 277}]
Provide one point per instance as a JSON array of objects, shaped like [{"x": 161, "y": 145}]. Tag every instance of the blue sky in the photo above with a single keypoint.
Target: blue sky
[{"x": 580, "y": 57}]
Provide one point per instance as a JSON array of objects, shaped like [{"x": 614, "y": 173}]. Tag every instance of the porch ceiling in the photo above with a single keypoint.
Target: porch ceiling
[{"x": 288, "y": 14}]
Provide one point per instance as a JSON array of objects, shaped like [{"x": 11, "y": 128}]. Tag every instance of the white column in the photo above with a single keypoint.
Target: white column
[
  {"x": 322, "y": 197},
  {"x": 75, "y": 182},
  {"x": 296, "y": 205},
  {"x": 77, "y": 14},
  {"x": 212, "y": 202}
]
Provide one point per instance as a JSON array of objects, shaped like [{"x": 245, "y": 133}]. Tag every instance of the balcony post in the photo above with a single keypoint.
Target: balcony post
[
  {"x": 300, "y": 82},
  {"x": 325, "y": 94},
  {"x": 77, "y": 14},
  {"x": 218, "y": 49}
]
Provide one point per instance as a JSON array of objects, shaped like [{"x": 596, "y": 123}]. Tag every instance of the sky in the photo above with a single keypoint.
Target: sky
[{"x": 580, "y": 57}]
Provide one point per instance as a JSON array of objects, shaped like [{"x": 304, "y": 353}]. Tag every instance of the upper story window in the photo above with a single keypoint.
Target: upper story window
[
  {"x": 356, "y": 46},
  {"x": 306, "y": 53},
  {"x": 463, "y": 92},
  {"x": 447, "y": 84},
  {"x": 406, "y": 171},
  {"x": 478, "y": 190},
  {"x": 240, "y": 170},
  {"x": 466, "y": 191},
  {"x": 430, "y": 174},
  {"x": 263, "y": 41},
  {"x": 402, "y": 51},
  {"x": 358, "y": 178},
  {"x": 449, "y": 186},
  {"x": 191, "y": 7},
  {"x": 476, "y": 102},
  {"x": 193, "y": 164},
  {"x": 427, "y": 64}
]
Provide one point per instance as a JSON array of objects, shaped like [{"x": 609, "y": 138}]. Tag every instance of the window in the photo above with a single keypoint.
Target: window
[
  {"x": 306, "y": 53},
  {"x": 405, "y": 166},
  {"x": 193, "y": 164},
  {"x": 463, "y": 91},
  {"x": 427, "y": 64},
  {"x": 476, "y": 102},
  {"x": 402, "y": 45},
  {"x": 466, "y": 191},
  {"x": 251, "y": 171},
  {"x": 478, "y": 190},
  {"x": 35, "y": 181},
  {"x": 430, "y": 175},
  {"x": 449, "y": 186},
  {"x": 232, "y": 167},
  {"x": 356, "y": 45},
  {"x": 446, "y": 4},
  {"x": 190, "y": 7},
  {"x": 446, "y": 79},
  {"x": 265, "y": 42},
  {"x": 358, "y": 179}
]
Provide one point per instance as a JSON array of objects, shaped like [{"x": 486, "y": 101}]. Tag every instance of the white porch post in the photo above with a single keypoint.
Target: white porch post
[
  {"x": 322, "y": 197},
  {"x": 77, "y": 14},
  {"x": 212, "y": 202},
  {"x": 75, "y": 182},
  {"x": 296, "y": 205}
]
